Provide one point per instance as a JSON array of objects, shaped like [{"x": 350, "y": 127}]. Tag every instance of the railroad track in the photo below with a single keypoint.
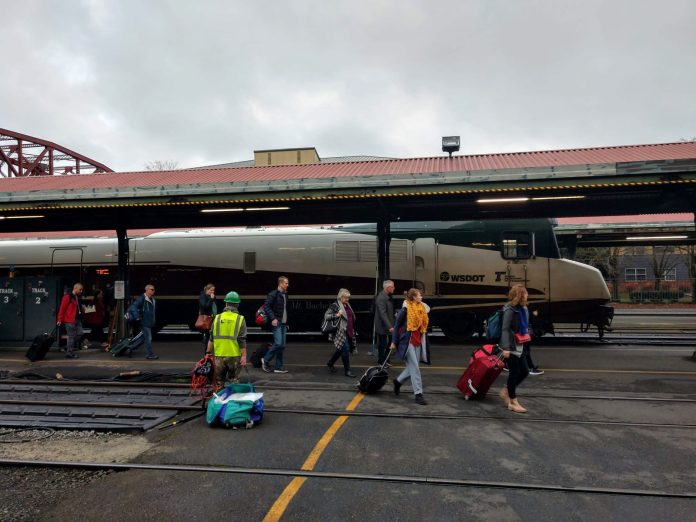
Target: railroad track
[
  {"x": 406, "y": 479},
  {"x": 123, "y": 407}
]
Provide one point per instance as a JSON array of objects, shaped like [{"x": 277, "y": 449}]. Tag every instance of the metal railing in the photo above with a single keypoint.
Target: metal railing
[{"x": 652, "y": 291}]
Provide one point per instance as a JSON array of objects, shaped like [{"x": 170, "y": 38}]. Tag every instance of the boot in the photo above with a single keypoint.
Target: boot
[
  {"x": 516, "y": 406},
  {"x": 420, "y": 400},
  {"x": 334, "y": 358},
  {"x": 505, "y": 396}
]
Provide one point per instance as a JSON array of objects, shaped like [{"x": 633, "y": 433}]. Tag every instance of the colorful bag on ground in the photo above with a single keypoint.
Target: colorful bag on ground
[{"x": 236, "y": 405}]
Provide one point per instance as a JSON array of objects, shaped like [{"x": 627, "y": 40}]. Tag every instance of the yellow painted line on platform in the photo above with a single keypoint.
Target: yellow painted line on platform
[
  {"x": 640, "y": 372},
  {"x": 283, "y": 501}
]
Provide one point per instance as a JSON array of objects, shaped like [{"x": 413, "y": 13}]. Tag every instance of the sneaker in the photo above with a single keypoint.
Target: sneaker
[
  {"x": 397, "y": 386},
  {"x": 420, "y": 400},
  {"x": 536, "y": 371},
  {"x": 283, "y": 370},
  {"x": 350, "y": 374},
  {"x": 152, "y": 357},
  {"x": 506, "y": 369},
  {"x": 264, "y": 366},
  {"x": 72, "y": 355}
]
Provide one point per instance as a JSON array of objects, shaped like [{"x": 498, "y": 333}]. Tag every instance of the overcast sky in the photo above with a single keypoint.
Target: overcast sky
[{"x": 204, "y": 82}]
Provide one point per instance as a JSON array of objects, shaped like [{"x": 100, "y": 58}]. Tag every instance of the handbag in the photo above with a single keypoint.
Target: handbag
[
  {"x": 204, "y": 322},
  {"x": 522, "y": 338},
  {"x": 330, "y": 326}
]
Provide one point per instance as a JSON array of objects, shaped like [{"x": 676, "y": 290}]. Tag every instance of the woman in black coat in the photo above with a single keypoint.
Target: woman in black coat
[{"x": 207, "y": 306}]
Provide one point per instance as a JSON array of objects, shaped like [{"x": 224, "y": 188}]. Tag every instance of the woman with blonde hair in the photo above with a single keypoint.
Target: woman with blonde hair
[
  {"x": 344, "y": 337},
  {"x": 514, "y": 335},
  {"x": 409, "y": 335}
]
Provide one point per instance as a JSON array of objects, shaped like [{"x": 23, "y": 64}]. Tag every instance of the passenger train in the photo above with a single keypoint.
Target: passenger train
[{"x": 464, "y": 270}]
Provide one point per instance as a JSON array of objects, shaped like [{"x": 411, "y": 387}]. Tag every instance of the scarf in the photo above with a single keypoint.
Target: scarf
[
  {"x": 524, "y": 322},
  {"x": 416, "y": 317}
]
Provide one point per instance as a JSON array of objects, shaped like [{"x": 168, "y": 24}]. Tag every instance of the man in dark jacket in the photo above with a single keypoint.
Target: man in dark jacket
[
  {"x": 142, "y": 311},
  {"x": 276, "y": 307},
  {"x": 384, "y": 319}
]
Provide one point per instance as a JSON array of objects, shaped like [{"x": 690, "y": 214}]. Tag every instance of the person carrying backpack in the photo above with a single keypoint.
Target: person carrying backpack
[
  {"x": 515, "y": 331},
  {"x": 142, "y": 312},
  {"x": 276, "y": 308}
]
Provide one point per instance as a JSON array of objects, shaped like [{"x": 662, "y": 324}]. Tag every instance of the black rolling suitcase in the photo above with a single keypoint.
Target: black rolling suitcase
[
  {"x": 374, "y": 378},
  {"x": 40, "y": 346},
  {"x": 260, "y": 352},
  {"x": 127, "y": 345}
]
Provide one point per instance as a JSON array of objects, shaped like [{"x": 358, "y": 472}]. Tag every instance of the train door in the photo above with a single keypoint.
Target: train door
[
  {"x": 518, "y": 249},
  {"x": 67, "y": 262},
  {"x": 425, "y": 265},
  {"x": 11, "y": 309}
]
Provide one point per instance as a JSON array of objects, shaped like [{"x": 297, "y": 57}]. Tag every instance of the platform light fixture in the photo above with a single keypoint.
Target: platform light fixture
[
  {"x": 450, "y": 144},
  {"x": 22, "y": 217},
  {"x": 247, "y": 209},
  {"x": 502, "y": 200},
  {"x": 655, "y": 238}
]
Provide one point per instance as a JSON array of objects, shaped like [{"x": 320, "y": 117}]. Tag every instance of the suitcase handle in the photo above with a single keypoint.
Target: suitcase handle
[{"x": 386, "y": 360}]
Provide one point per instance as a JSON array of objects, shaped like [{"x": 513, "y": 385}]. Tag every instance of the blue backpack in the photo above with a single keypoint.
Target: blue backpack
[
  {"x": 494, "y": 325},
  {"x": 236, "y": 405}
]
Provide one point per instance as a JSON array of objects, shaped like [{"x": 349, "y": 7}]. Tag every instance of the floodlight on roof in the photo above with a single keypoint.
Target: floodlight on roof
[{"x": 450, "y": 144}]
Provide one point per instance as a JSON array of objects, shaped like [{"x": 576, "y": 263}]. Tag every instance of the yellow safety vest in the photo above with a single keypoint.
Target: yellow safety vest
[{"x": 226, "y": 328}]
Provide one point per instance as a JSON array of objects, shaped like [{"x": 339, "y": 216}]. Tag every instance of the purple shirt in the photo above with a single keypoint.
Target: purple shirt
[{"x": 351, "y": 320}]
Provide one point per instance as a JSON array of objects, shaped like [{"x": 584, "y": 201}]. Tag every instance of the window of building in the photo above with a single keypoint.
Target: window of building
[
  {"x": 670, "y": 274},
  {"x": 635, "y": 274}
]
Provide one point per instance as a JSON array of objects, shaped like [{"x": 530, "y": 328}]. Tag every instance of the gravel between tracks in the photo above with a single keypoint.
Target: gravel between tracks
[{"x": 25, "y": 492}]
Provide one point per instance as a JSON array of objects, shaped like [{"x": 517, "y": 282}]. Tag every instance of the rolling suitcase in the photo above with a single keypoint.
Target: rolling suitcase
[
  {"x": 374, "y": 378},
  {"x": 127, "y": 345},
  {"x": 40, "y": 345},
  {"x": 260, "y": 352},
  {"x": 485, "y": 365}
]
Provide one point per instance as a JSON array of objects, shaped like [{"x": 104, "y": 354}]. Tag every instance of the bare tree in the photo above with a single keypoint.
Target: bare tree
[
  {"x": 689, "y": 253},
  {"x": 663, "y": 259},
  {"x": 159, "y": 165}
]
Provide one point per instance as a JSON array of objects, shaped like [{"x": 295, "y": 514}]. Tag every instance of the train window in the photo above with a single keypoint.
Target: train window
[
  {"x": 249, "y": 262},
  {"x": 517, "y": 245}
]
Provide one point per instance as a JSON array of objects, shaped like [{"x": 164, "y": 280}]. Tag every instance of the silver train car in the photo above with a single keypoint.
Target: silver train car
[{"x": 464, "y": 270}]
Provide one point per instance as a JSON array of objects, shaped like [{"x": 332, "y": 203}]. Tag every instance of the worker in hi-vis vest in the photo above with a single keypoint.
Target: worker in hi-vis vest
[{"x": 228, "y": 342}]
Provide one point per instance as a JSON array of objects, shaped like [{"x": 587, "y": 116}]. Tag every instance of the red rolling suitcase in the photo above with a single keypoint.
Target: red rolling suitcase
[{"x": 484, "y": 368}]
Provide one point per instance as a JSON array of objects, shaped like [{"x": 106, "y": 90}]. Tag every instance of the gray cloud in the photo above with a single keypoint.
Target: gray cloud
[{"x": 129, "y": 82}]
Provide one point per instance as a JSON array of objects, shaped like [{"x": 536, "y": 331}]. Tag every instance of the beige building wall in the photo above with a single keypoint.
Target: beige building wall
[{"x": 304, "y": 156}]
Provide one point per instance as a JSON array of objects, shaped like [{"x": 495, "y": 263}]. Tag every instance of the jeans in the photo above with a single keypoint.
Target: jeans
[
  {"x": 344, "y": 354},
  {"x": 147, "y": 340},
  {"x": 412, "y": 369},
  {"x": 74, "y": 331},
  {"x": 278, "y": 347}
]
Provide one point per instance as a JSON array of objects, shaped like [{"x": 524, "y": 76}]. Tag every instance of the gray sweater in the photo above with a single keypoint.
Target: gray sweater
[{"x": 511, "y": 324}]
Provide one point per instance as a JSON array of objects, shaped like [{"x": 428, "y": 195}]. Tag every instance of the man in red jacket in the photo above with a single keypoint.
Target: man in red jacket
[{"x": 70, "y": 313}]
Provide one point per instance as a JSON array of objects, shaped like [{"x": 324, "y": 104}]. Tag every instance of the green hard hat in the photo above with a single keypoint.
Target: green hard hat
[{"x": 232, "y": 297}]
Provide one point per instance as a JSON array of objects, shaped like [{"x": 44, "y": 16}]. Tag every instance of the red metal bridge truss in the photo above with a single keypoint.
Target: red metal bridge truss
[{"x": 22, "y": 156}]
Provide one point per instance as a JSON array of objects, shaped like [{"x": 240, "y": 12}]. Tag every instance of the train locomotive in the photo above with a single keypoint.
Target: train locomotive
[{"x": 464, "y": 270}]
